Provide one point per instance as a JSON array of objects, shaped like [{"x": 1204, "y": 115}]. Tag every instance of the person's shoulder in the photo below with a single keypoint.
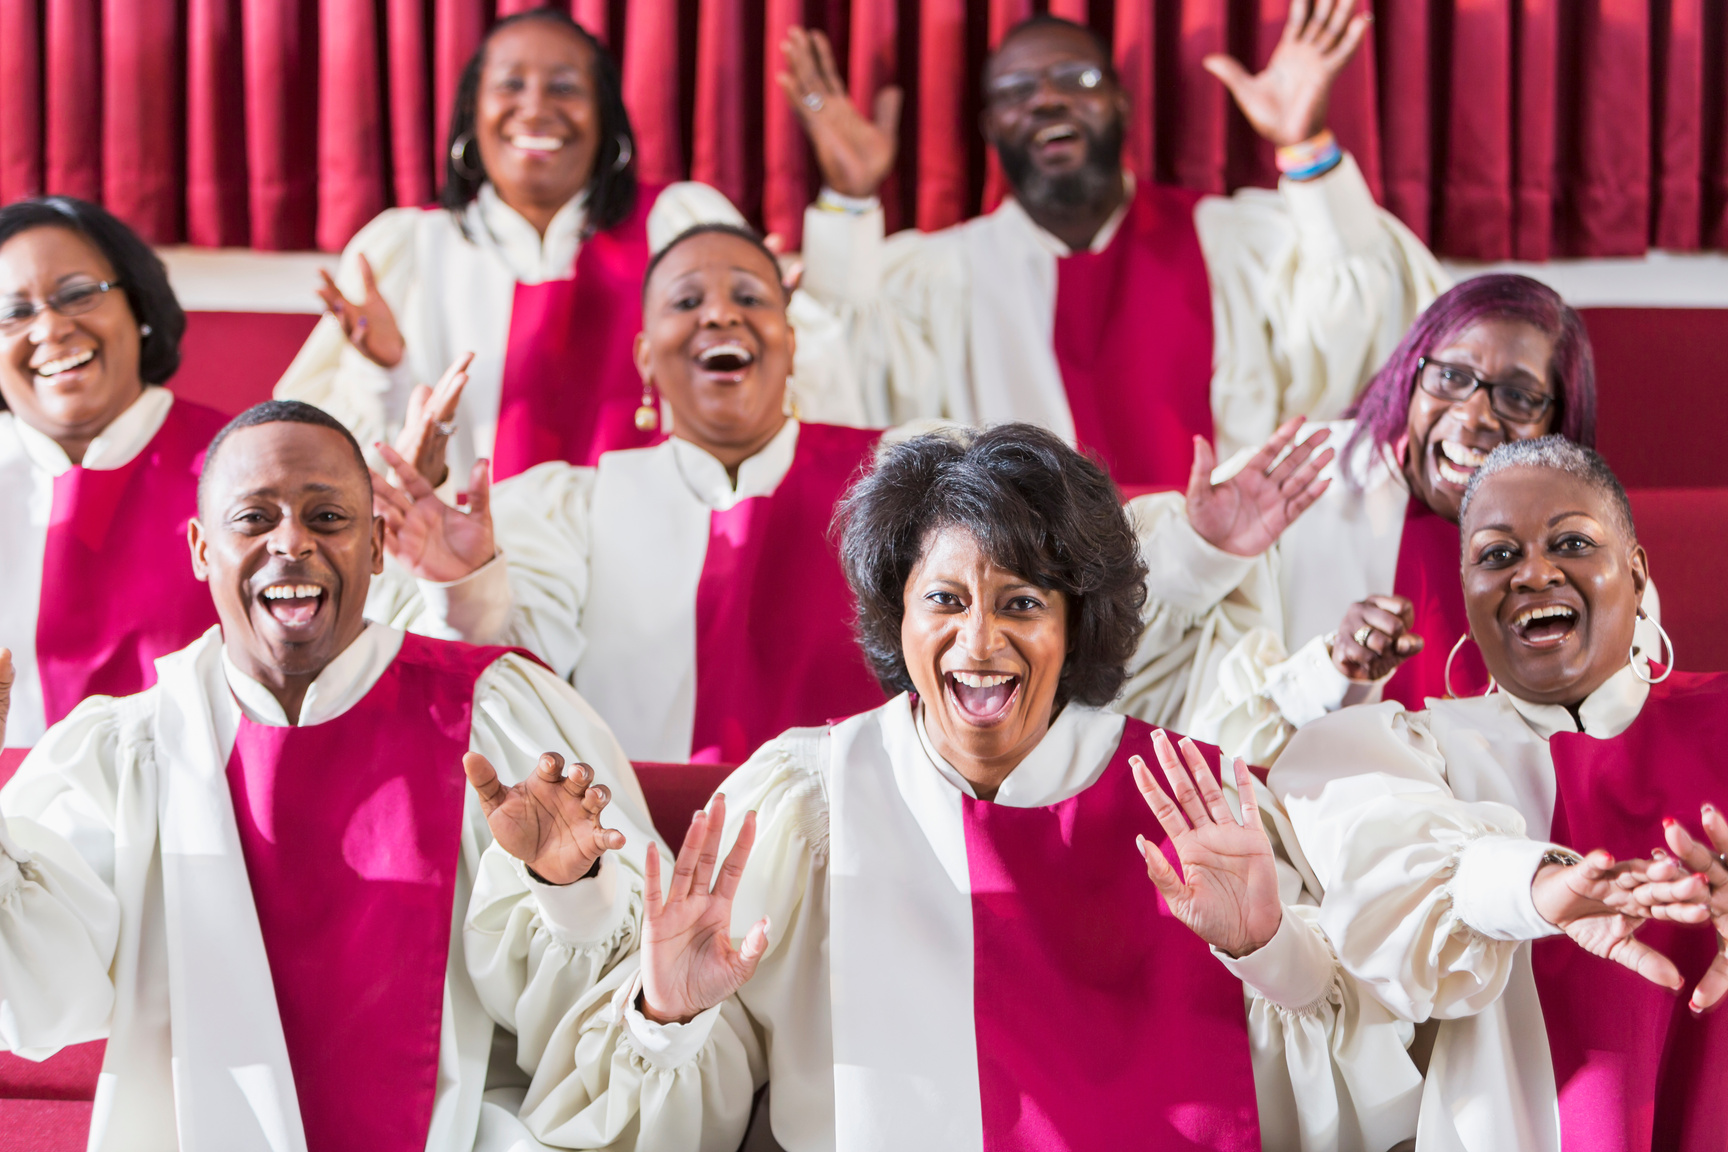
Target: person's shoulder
[
  {"x": 390, "y": 236},
  {"x": 545, "y": 490},
  {"x": 786, "y": 783}
]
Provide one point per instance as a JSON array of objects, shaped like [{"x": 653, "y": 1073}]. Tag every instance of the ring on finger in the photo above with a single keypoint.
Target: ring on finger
[
  {"x": 813, "y": 101},
  {"x": 1361, "y": 635},
  {"x": 445, "y": 427}
]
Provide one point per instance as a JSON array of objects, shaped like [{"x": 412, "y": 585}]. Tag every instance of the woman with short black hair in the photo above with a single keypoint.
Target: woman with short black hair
[
  {"x": 945, "y": 943},
  {"x": 98, "y": 462}
]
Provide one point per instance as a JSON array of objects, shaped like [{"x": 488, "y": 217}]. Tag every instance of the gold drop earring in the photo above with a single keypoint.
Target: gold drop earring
[{"x": 648, "y": 415}]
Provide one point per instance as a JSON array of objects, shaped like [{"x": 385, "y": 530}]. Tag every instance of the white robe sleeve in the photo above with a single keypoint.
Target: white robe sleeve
[
  {"x": 1427, "y": 896},
  {"x": 613, "y": 1079},
  {"x": 59, "y": 913},
  {"x": 328, "y": 371},
  {"x": 1312, "y": 288}
]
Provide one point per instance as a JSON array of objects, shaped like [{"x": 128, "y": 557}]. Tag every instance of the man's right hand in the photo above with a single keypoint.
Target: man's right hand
[
  {"x": 7, "y": 674},
  {"x": 1245, "y": 514},
  {"x": 854, "y": 154},
  {"x": 430, "y": 539}
]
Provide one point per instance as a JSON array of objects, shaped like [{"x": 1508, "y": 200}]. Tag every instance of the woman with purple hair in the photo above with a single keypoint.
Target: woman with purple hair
[{"x": 1359, "y": 600}]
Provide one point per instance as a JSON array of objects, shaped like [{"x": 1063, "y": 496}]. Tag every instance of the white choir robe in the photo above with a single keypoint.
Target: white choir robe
[
  {"x": 1312, "y": 287},
  {"x": 1330, "y": 1066},
  {"x": 1425, "y": 830},
  {"x": 453, "y": 293},
  {"x": 95, "y": 942}
]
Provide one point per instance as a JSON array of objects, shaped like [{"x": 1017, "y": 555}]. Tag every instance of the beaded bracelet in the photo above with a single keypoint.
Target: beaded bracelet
[{"x": 1315, "y": 156}]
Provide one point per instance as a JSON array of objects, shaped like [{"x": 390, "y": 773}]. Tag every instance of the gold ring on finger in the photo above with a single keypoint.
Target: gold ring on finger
[{"x": 1361, "y": 635}]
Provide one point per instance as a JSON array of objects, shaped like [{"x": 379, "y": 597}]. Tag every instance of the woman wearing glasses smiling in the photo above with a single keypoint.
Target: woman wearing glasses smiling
[
  {"x": 1359, "y": 599},
  {"x": 98, "y": 462}
]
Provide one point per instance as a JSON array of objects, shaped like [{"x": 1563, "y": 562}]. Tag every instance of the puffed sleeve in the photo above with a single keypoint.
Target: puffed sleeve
[
  {"x": 59, "y": 915},
  {"x": 330, "y": 372},
  {"x": 1312, "y": 288},
  {"x": 613, "y": 1079},
  {"x": 1427, "y": 896}
]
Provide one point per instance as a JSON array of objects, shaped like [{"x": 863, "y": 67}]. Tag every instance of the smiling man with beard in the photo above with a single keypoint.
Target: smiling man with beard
[
  {"x": 253, "y": 878},
  {"x": 1126, "y": 316}
]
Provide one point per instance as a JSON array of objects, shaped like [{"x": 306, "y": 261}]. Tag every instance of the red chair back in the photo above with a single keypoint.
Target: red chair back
[{"x": 676, "y": 792}]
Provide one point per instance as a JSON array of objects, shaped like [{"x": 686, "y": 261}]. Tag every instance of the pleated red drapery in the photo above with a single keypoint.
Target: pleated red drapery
[{"x": 1494, "y": 128}]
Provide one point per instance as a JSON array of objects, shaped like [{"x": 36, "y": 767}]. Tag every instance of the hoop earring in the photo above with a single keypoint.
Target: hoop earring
[
  {"x": 1668, "y": 669},
  {"x": 144, "y": 331},
  {"x": 459, "y": 158},
  {"x": 626, "y": 152},
  {"x": 1447, "y": 676},
  {"x": 648, "y": 415}
]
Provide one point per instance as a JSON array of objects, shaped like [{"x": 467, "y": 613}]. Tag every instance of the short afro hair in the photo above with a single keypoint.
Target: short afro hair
[
  {"x": 1561, "y": 455},
  {"x": 139, "y": 271},
  {"x": 1036, "y": 506},
  {"x": 716, "y": 228},
  {"x": 278, "y": 412}
]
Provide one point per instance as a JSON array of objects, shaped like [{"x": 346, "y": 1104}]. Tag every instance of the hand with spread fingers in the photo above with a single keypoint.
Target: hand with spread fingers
[
  {"x": 1245, "y": 514},
  {"x": 1375, "y": 637},
  {"x": 1601, "y": 903},
  {"x": 688, "y": 961},
  {"x": 550, "y": 821},
  {"x": 1227, "y": 891},
  {"x": 7, "y": 674},
  {"x": 1711, "y": 862},
  {"x": 1286, "y": 101},
  {"x": 854, "y": 154},
  {"x": 369, "y": 325},
  {"x": 430, "y": 539},
  {"x": 431, "y": 420}
]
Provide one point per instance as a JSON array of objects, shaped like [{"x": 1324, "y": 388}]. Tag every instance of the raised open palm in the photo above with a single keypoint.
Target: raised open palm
[
  {"x": 1601, "y": 903},
  {"x": 1227, "y": 891},
  {"x": 1286, "y": 102},
  {"x": 855, "y": 154},
  {"x": 368, "y": 323},
  {"x": 430, "y": 539},
  {"x": 431, "y": 419},
  {"x": 688, "y": 961},
  {"x": 1246, "y": 514},
  {"x": 550, "y": 821}
]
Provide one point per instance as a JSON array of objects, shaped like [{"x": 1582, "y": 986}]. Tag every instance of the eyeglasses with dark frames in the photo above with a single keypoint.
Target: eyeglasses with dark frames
[
  {"x": 73, "y": 299},
  {"x": 1456, "y": 383}
]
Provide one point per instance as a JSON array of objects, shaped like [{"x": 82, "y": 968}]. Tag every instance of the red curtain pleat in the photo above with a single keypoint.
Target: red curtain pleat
[
  {"x": 20, "y": 100},
  {"x": 717, "y": 151},
  {"x": 943, "y": 179},
  {"x": 141, "y": 167},
  {"x": 1680, "y": 149},
  {"x": 1476, "y": 185},
  {"x": 280, "y": 48},
  {"x": 651, "y": 88},
  {"x": 873, "y": 64},
  {"x": 1198, "y": 124},
  {"x": 1610, "y": 208},
  {"x": 593, "y": 16},
  {"x": 412, "y": 124},
  {"x": 1136, "y": 54},
  {"x": 1535, "y": 129},
  {"x": 1004, "y": 14},
  {"x": 73, "y": 91},
  {"x": 1403, "y": 42},
  {"x": 785, "y": 171},
  {"x": 350, "y": 124},
  {"x": 216, "y": 183}
]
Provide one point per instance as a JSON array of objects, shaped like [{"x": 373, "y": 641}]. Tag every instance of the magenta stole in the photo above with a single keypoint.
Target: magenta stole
[
  {"x": 1102, "y": 1022},
  {"x": 1428, "y": 577},
  {"x": 351, "y": 831},
  {"x": 774, "y": 644},
  {"x": 1133, "y": 340},
  {"x": 570, "y": 389},
  {"x": 1634, "y": 1068},
  {"x": 117, "y": 583}
]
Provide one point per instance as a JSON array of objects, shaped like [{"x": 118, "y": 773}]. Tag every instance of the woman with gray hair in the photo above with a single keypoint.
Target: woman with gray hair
[
  {"x": 1449, "y": 839},
  {"x": 920, "y": 925}
]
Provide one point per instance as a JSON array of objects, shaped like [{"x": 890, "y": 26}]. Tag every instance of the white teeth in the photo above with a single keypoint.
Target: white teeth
[
  {"x": 1055, "y": 132},
  {"x": 1543, "y": 613},
  {"x": 1450, "y": 474},
  {"x": 537, "y": 143},
  {"x": 976, "y": 680},
  {"x": 292, "y": 591},
  {"x": 66, "y": 363},
  {"x": 718, "y": 351},
  {"x": 1462, "y": 454}
]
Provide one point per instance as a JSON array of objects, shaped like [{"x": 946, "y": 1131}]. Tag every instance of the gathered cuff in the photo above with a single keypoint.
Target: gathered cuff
[
  {"x": 1295, "y": 971},
  {"x": 474, "y": 608},
  {"x": 586, "y": 913},
  {"x": 843, "y": 254},
  {"x": 1335, "y": 214},
  {"x": 1490, "y": 888},
  {"x": 1308, "y": 685},
  {"x": 666, "y": 1047}
]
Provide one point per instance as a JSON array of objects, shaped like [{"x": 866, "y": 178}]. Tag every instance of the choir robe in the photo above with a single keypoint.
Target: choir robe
[
  {"x": 1310, "y": 289},
  {"x": 1425, "y": 830},
  {"x": 453, "y": 283},
  {"x": 903, "y": 1004},
  {"x": 126, "y": 908},
  {"x": 99, "y": 575},
  {"x": 1248, "y": 660}
]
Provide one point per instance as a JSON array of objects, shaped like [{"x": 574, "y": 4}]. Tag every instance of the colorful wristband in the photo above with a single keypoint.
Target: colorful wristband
[{"x": 1309, "y": 158}]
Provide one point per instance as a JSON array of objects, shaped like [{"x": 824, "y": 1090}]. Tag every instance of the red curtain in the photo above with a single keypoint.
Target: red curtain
[{"x": 1494, "y": 128}]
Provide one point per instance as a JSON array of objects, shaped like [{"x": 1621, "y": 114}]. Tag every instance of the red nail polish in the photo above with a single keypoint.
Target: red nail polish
[{"x": 1668, "y": 821}]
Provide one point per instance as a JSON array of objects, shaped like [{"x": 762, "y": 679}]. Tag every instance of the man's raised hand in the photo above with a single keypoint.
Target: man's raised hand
[
  {"x": 1245, "y": 514},
  {"x": 688, "y": 961},
  {"x": 431, "y": 419},
  {"x": 430, "y": 539},
  {"x": 550, "y": 821},
  {"x": 369, "y": 324},
  {"x": 1227, "y": 892},
  {"x": 854, "y": 154},
  {"x": 1286, "y": 103},
  {"x": 1601, "y": 903}
]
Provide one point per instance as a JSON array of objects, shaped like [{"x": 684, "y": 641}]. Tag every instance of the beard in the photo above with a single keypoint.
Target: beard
[{"x": 1066, "y": 193}]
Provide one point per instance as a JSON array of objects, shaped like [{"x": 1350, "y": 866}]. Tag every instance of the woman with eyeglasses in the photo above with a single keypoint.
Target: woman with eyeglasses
[
  {"x": 1358, "y": 599},
  {"x": 99, "y": 462},
  {"x": 532, "y": 259}
]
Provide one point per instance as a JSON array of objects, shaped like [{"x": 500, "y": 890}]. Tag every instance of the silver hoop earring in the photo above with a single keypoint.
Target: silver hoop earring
[
  {"x": 626, "y": 152},
  {"x": 1447, "y": 676},
  {"x": 459, "y": 157},
  {"x": 144, "y": 330},
  {"x": 1667, "y": 669}
]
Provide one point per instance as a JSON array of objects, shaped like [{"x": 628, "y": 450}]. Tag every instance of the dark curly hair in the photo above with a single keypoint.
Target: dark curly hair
[
  {"x": 140, "y": 272},
  {"x": 612, "y": 187},
  {"x": 1036, "y": 506}
]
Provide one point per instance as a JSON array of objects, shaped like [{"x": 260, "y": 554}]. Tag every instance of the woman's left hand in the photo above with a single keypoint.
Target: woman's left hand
[
  {"x": 431, "y": 419},
  {"x": 1709, "y": 864},
  {"x": 1227, "y": 892},
  {"x": 1286, "y": 103}
]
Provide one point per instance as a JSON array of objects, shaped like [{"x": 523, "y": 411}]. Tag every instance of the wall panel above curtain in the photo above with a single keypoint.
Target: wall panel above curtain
[{"x": 1494, "y": 128}]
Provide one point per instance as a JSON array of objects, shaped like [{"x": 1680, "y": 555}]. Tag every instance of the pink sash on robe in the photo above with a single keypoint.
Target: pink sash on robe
[
  {"x": 1428, "y": 577},
  {"x": 1133, "y": 340},
  {"x": 117, "y": 583},
  {"x": 351, "y": 832},
  {"x": 774, "y": 643},
  {"x": 1102, "y": 1022},
  {"x": 570, "y": 389},
  {"x": 1635, "y": 1069}
]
